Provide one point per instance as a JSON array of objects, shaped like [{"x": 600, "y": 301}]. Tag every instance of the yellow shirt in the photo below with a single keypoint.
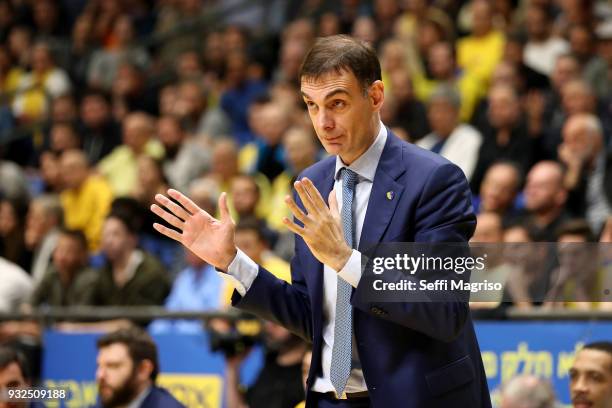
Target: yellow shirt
[
  {"x": 480, "y": 55},
  {"x": 281, "y": 187},
  {"x": 120, "y": 167},
  {"x": 468, "y": 86},
  {"x": 86, "y": 207}
]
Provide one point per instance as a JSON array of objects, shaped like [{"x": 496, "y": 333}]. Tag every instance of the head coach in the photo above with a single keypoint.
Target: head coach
[{"x": 378, "y": 189}]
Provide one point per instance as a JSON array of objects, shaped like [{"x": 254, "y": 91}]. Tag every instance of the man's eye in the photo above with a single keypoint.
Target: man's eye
[
  {"x": 339, "y": 104},
  {"x": 310, "y": 105}
]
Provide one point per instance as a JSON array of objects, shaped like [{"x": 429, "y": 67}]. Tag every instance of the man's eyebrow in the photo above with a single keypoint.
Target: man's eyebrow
[{"x": 330, "y": 94}]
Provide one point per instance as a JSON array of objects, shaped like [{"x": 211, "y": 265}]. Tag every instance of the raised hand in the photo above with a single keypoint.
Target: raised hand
[
  {"x": 322, "y": 230},
  {"x": 204, "y": 235}
]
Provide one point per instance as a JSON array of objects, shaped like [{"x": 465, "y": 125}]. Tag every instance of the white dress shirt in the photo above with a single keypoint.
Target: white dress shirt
[{"x": 243, "y": 271}]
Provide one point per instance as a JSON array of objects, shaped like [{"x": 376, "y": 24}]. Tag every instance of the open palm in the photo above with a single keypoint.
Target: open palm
[{"x": 204, "y": 235}]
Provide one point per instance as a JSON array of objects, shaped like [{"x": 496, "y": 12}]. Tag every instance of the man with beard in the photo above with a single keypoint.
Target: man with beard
[
  {"x": 591, "y": 376},
  {"x": 127, "y": 370}
]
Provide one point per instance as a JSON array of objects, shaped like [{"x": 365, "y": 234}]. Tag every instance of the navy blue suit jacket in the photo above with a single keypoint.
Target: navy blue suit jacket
[
  {"x": 413, "y": 355},
  {"x": 157, "y": 398}
]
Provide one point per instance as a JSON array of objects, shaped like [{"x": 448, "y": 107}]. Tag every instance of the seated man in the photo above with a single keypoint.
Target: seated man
[
  {"x": 127, "y": 368},
  {"x": 68, "y": 281}
]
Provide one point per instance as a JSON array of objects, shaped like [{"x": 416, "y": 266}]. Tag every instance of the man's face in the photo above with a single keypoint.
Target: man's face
[
  {"x": 498, "y": 188},
  {"x": 12, "y": 377},
  {"x": 443, "y": 117},
  {"x": 591, "y": 379},
  {"x": 115, "y": 375},
  {"x": 249, "y": 242},
  {"x": 244, "y": 195},
  {"x": 116, "y": 239},
  {"x": 343, "y": 116},
  {"x": 543, "y": 190},
  {"x": 69, "y": 255}
]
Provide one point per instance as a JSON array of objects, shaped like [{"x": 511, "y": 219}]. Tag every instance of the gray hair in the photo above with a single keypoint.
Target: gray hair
[
  {"x": 446, "y": 93},
  {"x": 528, "y": 391}
]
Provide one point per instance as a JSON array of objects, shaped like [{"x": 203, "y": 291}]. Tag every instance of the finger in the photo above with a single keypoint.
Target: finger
[
  {"x": 333, "y": 203},
  {"x": 293, "y": 227},
  {"x": 169, "y": 232},
  {"x": 312, "y": 191},
  {"x": 225, "y": 213},
  {"x": 295, "y": 210},
  {"x": 176, "y": 209},
  {"x": 305, "y": 197},
  {"x": 166, "y": 216},
  {"x": 184, "y": 200}
]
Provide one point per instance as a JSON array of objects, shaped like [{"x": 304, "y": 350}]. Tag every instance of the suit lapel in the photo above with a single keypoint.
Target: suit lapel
[{"x": 385, "y": 195}]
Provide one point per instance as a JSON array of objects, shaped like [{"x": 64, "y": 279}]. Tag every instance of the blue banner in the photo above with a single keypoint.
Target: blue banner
[{"x": 195, "y": 375}]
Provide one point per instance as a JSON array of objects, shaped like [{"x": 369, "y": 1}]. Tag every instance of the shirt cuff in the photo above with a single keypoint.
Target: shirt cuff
[
  {"x": 241, "y": 272},
  {"x": 351, "y": 271}
]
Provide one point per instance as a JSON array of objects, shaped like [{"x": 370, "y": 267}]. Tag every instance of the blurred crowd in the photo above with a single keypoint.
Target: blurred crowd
[{"x": 106, "y": 103}]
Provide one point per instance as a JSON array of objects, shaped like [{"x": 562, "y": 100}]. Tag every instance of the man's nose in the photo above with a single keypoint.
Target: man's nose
[{"x": 325, "y": 120}]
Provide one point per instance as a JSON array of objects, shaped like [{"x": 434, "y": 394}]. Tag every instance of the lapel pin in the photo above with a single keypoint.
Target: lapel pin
[{"x": 390, "y": 195}]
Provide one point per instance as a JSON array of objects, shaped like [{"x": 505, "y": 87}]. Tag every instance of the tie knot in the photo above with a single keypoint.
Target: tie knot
[{"x": 349, "y": 178}]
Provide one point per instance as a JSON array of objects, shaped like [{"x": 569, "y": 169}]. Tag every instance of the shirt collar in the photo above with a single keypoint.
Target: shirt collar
[
  {"x": 136, "y": 403},
  {"x": 365, "y": 166}
]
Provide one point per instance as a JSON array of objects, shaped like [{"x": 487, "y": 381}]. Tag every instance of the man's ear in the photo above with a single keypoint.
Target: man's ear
[
  {"x": 145, "y": 368},
  {"x": 376, "y": 93}
]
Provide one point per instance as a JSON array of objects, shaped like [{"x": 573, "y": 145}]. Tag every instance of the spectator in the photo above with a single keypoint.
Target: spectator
[
  {"x": 186, "y": 158},
  {"x": 196, "y": 116},
  {"x": 301, "y": 148},
  {"x": 120, "y": 167},
  {"x": 99, "y": 131},
  {"x": 240, "y": 92},
  {"x": 505, "y": 135},
  {"x": 130, "y": 277},
  {"x": 64, "y": 137},
  {"x": 44, "y": 79},
  {"x": 545, "y": 198},
  {"x": 127, "y": 370},
  {"x": 273, "y": 120},
  {"x": 587, "y": 178},
  {"x": 45, "y": 217},
  {"x": 458, "y": 142},
  {"x": 542, "y": 48},
  {"x": 86, "y": 198},
  {"x": 443, "y": 68},
  {"x": 527, "y": 391},
  {"x": 595, "y": 69},
  {"x": 480, "y": 52},
  {"x": 68, "y": 281},
  {"x": 499, "y": 189},
  {"x": 575, "y": 282},
  {"x": 15, "y": 373},
  {"x": 279, "y": 383},
  {"x": 410, "y": 114},
  {"x": 104, "y": 63},
  {"x": 591, "y": 376}
]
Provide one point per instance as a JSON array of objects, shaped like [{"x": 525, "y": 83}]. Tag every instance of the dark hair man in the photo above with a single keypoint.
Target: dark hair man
[
  {"x": 591, "y": 376},
  {"x": 14, "y": 374},
  {"x": 127, "y": 370},
  {"x": 407, "y": 354}
]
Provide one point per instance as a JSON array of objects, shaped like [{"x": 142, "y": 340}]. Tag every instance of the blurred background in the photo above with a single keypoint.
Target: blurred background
[{"x": 105, "y": 103}]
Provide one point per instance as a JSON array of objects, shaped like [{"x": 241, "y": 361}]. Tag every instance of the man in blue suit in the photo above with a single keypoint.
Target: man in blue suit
[{"x": 378, "y": 189}]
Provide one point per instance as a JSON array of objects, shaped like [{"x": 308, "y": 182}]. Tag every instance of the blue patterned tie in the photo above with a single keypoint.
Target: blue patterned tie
[{"x": 343, "y": 327}]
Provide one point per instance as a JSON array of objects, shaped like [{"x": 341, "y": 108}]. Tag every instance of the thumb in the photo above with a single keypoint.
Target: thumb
[
  {"x": 225, "y": 213},
  {"x": 333, "y": 203}
]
